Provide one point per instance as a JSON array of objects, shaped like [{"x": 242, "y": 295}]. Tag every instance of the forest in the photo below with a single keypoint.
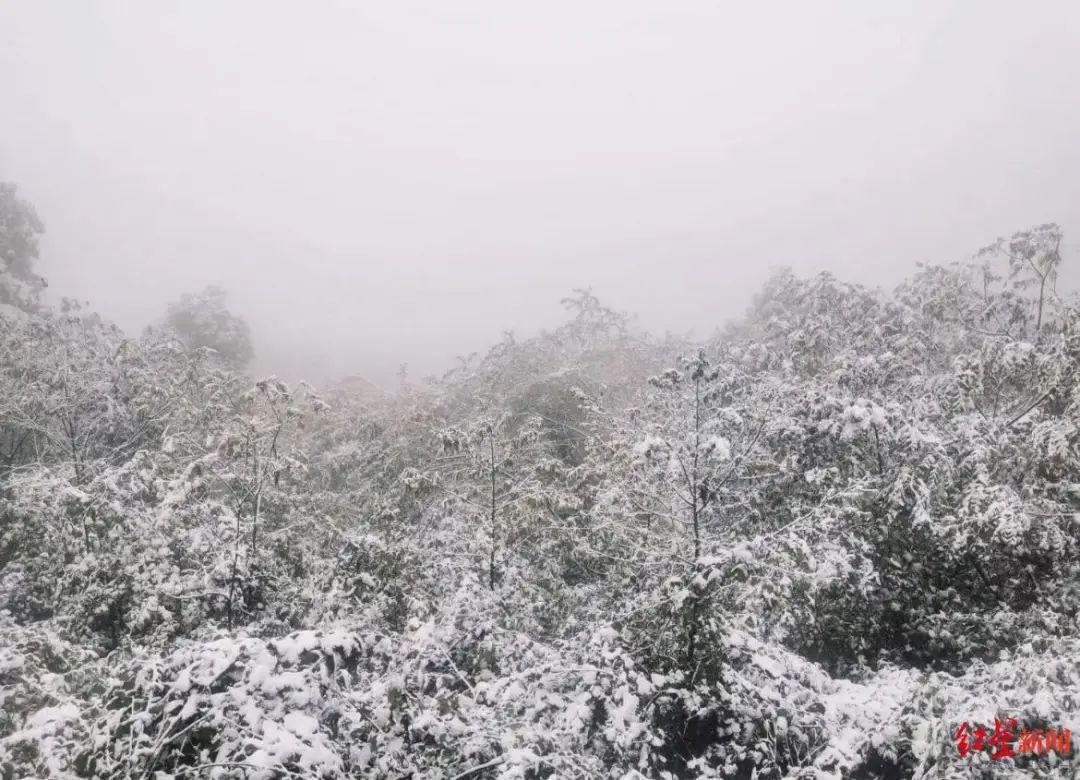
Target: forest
[{"x": 829, "y": 541}]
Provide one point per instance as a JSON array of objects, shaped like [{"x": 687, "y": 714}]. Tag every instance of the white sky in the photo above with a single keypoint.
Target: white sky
[{"x": 377, "y": 183}]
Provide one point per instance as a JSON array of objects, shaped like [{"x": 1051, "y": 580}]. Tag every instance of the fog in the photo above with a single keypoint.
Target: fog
[{"x": 387, "y": 183}]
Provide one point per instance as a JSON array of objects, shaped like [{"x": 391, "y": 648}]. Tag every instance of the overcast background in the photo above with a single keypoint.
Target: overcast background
[{"x": 377, "y": 183}]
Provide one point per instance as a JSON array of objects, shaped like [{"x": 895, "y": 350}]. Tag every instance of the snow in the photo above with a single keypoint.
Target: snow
[
  {"x": 649, "y": 444},
  {"x": 300, "y": 724},
  {"x": 331, "y": 595},
  {"x": 854, "y": 711},
  {"x": 770, "y": 665},
  {"x": 48, "y": 717}
]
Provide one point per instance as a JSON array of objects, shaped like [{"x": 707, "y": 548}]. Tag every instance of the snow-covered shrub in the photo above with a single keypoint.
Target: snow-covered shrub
[
  {"x": 1037, "y": 685},
  {"x": 41, "y": 726},
  {"x": 233, "y": 707},
  {"x": 808, "y": 547}
]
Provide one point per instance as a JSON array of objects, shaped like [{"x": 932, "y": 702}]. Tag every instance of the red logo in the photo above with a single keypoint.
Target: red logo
[{"x": 1000, "y": 741}]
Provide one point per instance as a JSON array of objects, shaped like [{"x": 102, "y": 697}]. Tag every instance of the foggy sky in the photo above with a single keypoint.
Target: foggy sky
[{"x": 378, "y": 183}]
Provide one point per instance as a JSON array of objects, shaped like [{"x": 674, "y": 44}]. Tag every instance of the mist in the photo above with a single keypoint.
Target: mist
[{"x": 386, "y": 183}]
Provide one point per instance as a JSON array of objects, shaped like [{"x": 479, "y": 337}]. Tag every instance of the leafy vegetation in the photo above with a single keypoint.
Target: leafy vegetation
[{"x": 809, "y": 547}]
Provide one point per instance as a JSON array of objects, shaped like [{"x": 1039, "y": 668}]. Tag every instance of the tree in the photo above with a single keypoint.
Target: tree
[
  {"x": 1034, "y": 258},
  {"x": 20, "y": 227},
  {"x": 202, "y": 320},
  {"x": 252, "y": 457},
  {"x": 690, "y": 440},
  {"x": 812, "y": 547}
]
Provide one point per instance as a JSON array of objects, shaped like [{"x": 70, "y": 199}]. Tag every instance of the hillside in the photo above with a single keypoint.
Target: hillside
[{"x": 811, "y": 547}]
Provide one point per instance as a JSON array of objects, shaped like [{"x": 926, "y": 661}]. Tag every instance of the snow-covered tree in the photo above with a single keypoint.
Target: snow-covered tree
[
  {"x": 811, "y": 546},
  {"x": 202, "y": 320},
  {"x": 20, "y": 227}
]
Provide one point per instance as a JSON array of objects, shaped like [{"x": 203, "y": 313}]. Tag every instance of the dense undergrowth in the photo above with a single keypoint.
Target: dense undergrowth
[{"x": 812, "y": 546}]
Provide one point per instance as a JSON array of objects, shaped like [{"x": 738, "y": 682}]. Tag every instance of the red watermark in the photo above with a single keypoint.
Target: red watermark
[{"x": 1000, "y": 742}]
